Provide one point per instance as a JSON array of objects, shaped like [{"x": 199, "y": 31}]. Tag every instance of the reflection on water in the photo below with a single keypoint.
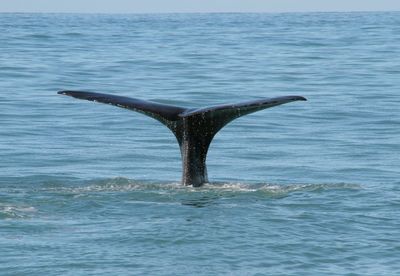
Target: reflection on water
[{"x": 200, "y": 201}]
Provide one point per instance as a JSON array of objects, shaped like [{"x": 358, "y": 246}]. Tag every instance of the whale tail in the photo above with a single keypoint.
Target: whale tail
[{"x": 193, "y": 128}]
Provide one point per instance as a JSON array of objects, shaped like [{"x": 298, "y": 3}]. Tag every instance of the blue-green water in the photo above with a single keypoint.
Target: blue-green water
[{"x": 307, "y": 188}]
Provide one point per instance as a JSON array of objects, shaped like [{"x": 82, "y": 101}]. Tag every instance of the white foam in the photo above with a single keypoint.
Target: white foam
[
  {"x": 121, "y": 184},
  {"x": 12, "y": 211}
]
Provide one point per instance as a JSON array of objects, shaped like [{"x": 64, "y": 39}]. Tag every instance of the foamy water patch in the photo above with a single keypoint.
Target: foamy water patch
[
  {"x": 276, "y": 188},
  {"x": 13, "y": 211},
  {"x": 125, "y": 185},
  {"x": 118, "y": 184}
]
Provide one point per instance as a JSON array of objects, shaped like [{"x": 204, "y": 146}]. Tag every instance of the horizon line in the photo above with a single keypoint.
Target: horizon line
[{"x": 195, "y": 12}]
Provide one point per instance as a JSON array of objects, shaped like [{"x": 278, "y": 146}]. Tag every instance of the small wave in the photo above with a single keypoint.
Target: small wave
[
  {"x": 9, "y": 211},
  {"x": 39, "y": 36},
  {"x": 72, "y": 34}
]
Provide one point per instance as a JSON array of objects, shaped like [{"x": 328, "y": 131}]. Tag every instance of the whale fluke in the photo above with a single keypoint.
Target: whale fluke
[
  {"x": 221, "y": 115},
  {"x": 193, "y": 128},
  {"x": 155, "y": 110}
]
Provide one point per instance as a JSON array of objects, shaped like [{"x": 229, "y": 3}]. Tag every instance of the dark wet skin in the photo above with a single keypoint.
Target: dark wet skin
[{"x": 193, "y": 128}]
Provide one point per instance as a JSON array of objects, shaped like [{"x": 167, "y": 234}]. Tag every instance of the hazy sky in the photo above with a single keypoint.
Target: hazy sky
[{"x": 149, "y": 6}]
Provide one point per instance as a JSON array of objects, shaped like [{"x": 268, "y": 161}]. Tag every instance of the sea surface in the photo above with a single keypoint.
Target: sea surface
[{"x": 306, "y": 188}]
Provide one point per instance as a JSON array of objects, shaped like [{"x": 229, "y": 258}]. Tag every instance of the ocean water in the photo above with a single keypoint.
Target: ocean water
[{"x": 307, "y": 188}]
